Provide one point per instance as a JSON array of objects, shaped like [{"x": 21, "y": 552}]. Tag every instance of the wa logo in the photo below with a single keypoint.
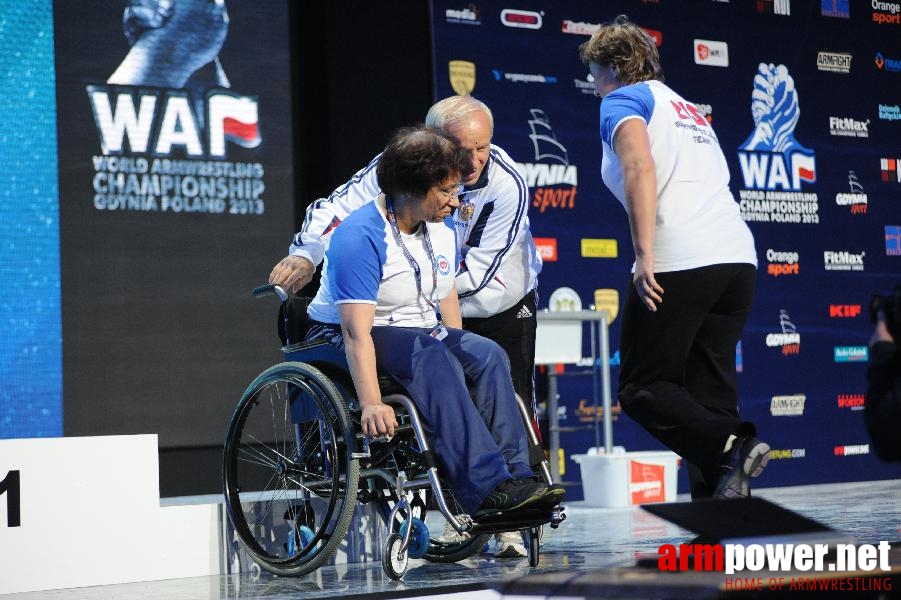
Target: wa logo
[
  {"x": 166, "y": 121},
  {"x": 771, "y": 158}
]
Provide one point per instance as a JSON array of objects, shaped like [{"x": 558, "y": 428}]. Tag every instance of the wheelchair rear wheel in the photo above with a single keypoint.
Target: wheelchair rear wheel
[{"x": 289, "y": 479}]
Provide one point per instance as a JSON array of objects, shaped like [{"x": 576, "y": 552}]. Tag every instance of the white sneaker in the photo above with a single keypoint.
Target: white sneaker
[
  {"x": 451, "y": 535},
  {"x": 509, "y": 545}
]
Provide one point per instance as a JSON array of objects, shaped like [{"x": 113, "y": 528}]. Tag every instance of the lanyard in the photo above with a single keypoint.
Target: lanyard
[{"x": 392, "y": 220}]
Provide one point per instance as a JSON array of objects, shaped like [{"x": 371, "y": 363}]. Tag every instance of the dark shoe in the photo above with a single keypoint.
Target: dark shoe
[
  {"x": 745, "y": 460},
  {"x": 512, "y": 494},
  {"x": 552, "y": 496}
]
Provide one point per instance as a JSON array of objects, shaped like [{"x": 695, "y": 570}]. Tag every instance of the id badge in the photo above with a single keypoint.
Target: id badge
[{"x": 439, "y": 332}]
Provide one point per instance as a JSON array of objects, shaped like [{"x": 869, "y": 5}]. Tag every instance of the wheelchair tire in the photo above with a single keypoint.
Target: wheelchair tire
[
  {"x": 287, "y": 471},
  {"x": 393, "y": 560},
  {"x": 534, "y": 546}
]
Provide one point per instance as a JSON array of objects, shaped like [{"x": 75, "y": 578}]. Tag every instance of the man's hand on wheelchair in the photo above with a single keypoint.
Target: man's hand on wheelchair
[
  {"x": 378, "y": 420},
  {"x": 292, "y": 273}
]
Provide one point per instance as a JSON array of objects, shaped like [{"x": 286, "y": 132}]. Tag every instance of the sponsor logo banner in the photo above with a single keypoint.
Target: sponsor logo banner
[
  {"x": 844, "y": 311},
  {"x": 893, "y": 240},
  {"x": 470, "y": 15},
  {"x": 852, "y": 401},
  {"x": 711, "y": 53},
  {"x": 835, "y": 8},
  {"x": 462, "y": 74},
  {"x": 522, "y": 77},
  {"x": 774, "y": 164},
  {"x": 646, "y": 482},
  {"x": 848, "y": 127},
  {"x": 599, "y": 248},
  {"x": 886, "y": 13},
  {"x": 547, "y": 249},
  {"x": 856, "y": 199},
  {"x": 554, "y": 182},
  {"x": 887, "y": 63},
  {"x": 845, "y": 354},
  {"x": 890, "y": 112},
  {"x": 789, "y": 340},
  {"x": 582, "y": 28},
  {"x": 782, "y": 262},
  {"x": 787, "y": 453},
  {"x": 842, "y": 260},
  {"x": 836, "y": 62},
  {"x": 774, "y": 7},
  {"x": 159, "y": 155},
  {"x": 606, "y": 299},
  {"x": 890, "y": 169},
  {"x": 788, "y": 406},
  {"x": 856, "y": 450},
  {"x": 522, "y": 19}
]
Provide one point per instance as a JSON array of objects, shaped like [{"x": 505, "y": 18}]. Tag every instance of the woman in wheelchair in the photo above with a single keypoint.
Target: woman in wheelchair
[{"x": 387, "y": 299}]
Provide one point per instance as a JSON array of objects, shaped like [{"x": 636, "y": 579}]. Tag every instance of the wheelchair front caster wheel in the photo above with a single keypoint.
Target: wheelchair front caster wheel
[
  {"x": 419, "y": 538},
  {"x": 393, "y": 560},
  {"x": 534, "y": 544}
]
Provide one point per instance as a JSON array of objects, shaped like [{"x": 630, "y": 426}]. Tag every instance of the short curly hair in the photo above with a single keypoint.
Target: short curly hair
[
  {"x": 419, "y": 158},
  {"x": 626, "y": 48}
]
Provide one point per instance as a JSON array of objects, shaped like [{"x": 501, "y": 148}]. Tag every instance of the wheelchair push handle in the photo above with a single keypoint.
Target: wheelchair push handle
[{"x": 270, "y": 289}]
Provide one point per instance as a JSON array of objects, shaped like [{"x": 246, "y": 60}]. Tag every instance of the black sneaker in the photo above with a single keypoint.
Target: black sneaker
[
  {"x": 553, "y": 496},
  {"x": 745, "y": 460},
  {"x": 512, "y": 494}
]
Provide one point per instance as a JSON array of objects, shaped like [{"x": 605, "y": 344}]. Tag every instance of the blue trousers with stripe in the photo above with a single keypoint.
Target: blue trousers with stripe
[{"x": 462, "y": 389}]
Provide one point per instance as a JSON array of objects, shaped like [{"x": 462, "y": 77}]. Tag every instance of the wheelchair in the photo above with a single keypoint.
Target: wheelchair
[{"x": 294, "y": 454}]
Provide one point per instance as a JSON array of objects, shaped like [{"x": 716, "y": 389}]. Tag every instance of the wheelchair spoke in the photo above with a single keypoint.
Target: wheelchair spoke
[
  {"x": 290, "y": 483},
  {"x": 263, "y": 455}
]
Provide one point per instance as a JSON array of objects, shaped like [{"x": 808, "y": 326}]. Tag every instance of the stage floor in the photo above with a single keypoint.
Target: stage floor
[{"x": 589, "y": 539}]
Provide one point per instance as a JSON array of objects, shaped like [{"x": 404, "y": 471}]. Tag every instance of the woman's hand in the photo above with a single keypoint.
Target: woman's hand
[
  {"x": 378, "y": 419},
  {"x": 647, "y": 287}
]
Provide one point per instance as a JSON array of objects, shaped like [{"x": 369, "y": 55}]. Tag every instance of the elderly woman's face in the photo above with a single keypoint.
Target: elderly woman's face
[{"x": 441, "y": 200}]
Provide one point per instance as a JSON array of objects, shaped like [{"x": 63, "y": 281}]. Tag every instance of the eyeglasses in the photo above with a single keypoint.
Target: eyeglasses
[{"x": 451, "y": 191}]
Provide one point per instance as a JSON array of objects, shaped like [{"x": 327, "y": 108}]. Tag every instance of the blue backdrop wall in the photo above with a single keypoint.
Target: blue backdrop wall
[{"x": 825, "y": 212}]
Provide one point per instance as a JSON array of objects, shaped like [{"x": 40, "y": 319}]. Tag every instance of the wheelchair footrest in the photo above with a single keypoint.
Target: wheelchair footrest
[{"x": 526, "y": 518}]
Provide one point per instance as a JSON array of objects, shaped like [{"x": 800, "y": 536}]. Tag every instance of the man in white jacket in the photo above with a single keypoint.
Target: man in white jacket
[{"x": 498, "y": 275}]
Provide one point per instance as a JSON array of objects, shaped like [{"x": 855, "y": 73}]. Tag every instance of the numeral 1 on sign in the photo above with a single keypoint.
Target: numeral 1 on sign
[{"x": 10, "y": 484}]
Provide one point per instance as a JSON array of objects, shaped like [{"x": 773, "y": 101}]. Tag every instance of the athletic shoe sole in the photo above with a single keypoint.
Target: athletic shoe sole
[
  {"x": 757, "y": 459},
  {"x": 737, "y": 483}
]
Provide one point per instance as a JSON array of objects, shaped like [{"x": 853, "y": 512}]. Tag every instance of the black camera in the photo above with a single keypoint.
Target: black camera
[{"x": 890, "y": 305}]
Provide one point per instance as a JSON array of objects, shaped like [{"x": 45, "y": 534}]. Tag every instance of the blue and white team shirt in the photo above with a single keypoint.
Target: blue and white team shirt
[
  {"x": 364, "y": 264},
  {"x": 698, "y": 220},
  {"x": 500, "y": 263}
]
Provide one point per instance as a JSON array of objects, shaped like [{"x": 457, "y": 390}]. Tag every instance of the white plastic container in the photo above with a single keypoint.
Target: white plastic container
[{"x": 628, "y": 478}]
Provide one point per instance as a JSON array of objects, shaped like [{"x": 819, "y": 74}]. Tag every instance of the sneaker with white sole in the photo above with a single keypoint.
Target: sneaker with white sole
[
  {"x": 509, "y": 545},
  {"x": 746, "y": 459}
]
